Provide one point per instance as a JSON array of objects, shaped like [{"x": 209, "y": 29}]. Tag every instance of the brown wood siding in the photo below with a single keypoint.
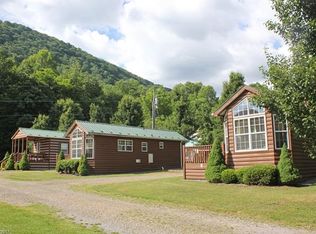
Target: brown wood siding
[
  {"x": 242, "y": 159},
  {"x": 109, "y": 160},
  {"x": 51, "y": 147},
  {"x": 305, "y": 164},
  {"x": 195, "y": 171}
]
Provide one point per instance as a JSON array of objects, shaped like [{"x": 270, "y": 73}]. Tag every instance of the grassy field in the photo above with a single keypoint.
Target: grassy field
[
  {"x": 37, "y": 219},
  {"x": 290, "y": 206}
]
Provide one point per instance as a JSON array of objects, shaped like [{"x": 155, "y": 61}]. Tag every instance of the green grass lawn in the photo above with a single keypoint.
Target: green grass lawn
[
  {"x": 35, "y": 175},
  {"x": 290, "y": 206},
  {"x": 53, "y": 175},
  {"x": 37, "y": 219}
]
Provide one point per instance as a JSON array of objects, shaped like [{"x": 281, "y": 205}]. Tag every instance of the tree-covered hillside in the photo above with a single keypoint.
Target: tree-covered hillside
[
  {"x": 21, "y": 42},
  {"x": 50, "y": 88}
]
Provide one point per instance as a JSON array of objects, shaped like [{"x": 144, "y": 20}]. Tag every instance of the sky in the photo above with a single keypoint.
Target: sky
[{"x": 164, "y": 41}]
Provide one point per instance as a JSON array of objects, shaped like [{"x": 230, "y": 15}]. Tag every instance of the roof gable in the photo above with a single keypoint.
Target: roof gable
[
  {"x": 221, "y": 110},
  {"x": 125, "y": 131},
  {"x": 30, "y": 132}
]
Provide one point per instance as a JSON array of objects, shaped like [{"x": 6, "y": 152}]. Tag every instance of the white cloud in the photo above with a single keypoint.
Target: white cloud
[{"x": 164, "y": 41}]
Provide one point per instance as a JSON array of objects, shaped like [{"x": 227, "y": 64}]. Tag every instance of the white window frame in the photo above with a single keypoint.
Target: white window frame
[
  {"x": 280, "y": 131},
  {"x": 144, "y": 146},
  {"x": 76, "y": 139},
  {"x": 123, "y": 142},
  {"x": 161, "y": 145},
  {"x": 226, "y": 140},
  {"x": 66, "y": 149},
  {"x": 248, "y": 117},
  {"x": 89, "y": 148}
]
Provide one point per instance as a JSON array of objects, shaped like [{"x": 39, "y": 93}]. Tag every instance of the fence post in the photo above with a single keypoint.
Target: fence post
[{"x": 184, "y": 162}]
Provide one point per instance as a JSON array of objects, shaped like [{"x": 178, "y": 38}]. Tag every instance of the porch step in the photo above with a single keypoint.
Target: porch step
[{"x": 41, "y": 166}]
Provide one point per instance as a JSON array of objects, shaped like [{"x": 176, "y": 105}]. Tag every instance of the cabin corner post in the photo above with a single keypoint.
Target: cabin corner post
[{"x": 184, "y": 163}]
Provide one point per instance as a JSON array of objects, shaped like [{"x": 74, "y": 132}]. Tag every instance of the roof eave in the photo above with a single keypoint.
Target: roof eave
[{"x": 221, "y": 110}]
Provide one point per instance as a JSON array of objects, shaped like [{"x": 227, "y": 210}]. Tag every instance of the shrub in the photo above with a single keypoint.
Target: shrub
[
  {"x": 9, "y": 164},
  {"x": 24, "y": 163},
  {"x": 215, "y": 164},
  {"x": 69, "y": 166},
  {"x": 260, "y": 175},
  {"x": 240, "y": 174},
  {"x": 61, "y": 156},
  {"x": 16, "y": 166},
  {"x": 83, "y": 166},
  {"x": 4, "y": 161},
  {"x": 228, "y": 176},
  {"x": 287, "y": 173}
]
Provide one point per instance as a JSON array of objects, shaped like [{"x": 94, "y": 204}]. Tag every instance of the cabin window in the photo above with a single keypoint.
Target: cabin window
[
  {"x": 249, "y": 127},
  {"x": 245, "y": 107},
  {"x": 226, "y": 136},
  {"x": 280, "y": 133},
  {"x": 89, "y": 147},
  {"x": 144, "y": 147},
  {"x": 161, "y": 145},
  {"x": 64, "y": 148},
  {"x": 125, "y": 145},
  {"x": 76, "y": 143}
]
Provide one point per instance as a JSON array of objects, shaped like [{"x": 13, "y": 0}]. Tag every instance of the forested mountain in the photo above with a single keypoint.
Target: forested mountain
[
  {"x": 48, "y": 86},
  {"x": 21, "y": 42}
]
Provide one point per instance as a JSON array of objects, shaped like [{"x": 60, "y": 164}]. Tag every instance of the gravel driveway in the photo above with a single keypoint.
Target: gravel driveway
[{"x": 115, "y": 215}]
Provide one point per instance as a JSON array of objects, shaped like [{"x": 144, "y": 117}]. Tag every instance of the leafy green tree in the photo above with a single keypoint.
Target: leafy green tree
[
  {"x": 215, "y": 164},
  {"x": 293, "y": 92},
  {"x": 295, "y": 23},
  {"x": 288, "y": 174},
  {"x": 94, "y": 113},
  {"x": 41, "y": 122},
  {"x": 68, "y": 111},
  {"x": 235, "y": 82},
  {"x": 129, "y": 112}
]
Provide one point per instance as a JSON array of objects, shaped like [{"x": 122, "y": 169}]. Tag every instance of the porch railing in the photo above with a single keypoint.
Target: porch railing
[
  {"x": 197, "y": 154},
  {"x": 32, "y": 157}
]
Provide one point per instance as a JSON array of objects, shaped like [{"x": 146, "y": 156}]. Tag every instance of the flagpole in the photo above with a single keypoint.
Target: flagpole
[{"x": 153, "y": 111}]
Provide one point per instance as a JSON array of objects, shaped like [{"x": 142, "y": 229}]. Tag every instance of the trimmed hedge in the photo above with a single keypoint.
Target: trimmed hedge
[
  {"x": 260, "y": 175},
  {"x": 67, "y": 166},
  {"x": 240, "y": 174},
  {"x": 229, "y": 176}
]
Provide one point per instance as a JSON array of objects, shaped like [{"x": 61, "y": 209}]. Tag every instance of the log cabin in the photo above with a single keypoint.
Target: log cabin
[
  {"x": 254, "y": 135},
  {"x": 42, "y": 147},
  {"x": 115, "y": 149}
]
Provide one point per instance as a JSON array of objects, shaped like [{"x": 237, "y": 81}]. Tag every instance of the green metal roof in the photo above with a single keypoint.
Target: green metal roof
[
  {"x": 128, "y": 131},
  {"x": 42, "y": 133}
]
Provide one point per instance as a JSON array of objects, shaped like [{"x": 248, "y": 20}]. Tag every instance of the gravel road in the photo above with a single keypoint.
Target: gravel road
[{"x": 122, "y": 216}]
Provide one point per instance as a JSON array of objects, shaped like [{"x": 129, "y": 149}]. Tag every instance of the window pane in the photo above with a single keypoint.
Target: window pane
[
  {"x": 258, "y": 141},
  {"x": 279, "y": 126},
  {"x": 241, "y": 109},
  {"x": 241, "y": 126},
  {"x": 254, "y": 109},
  {"x": 242, "y": 142},
  {"x": 257, "y": 124},
  {"x": 281, "y": 138}
]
